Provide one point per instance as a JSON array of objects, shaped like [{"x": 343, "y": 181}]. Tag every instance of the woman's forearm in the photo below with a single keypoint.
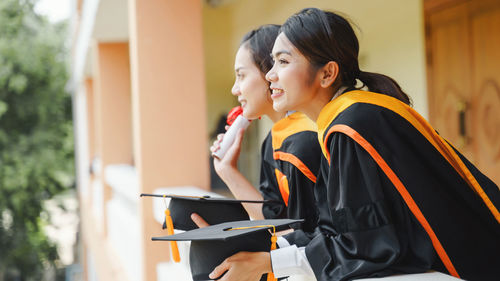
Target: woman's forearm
[{"x": 242, "y": 189}]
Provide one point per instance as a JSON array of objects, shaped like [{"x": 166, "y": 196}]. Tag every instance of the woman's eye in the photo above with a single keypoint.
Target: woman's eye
[{"x": 282, "y": 61}]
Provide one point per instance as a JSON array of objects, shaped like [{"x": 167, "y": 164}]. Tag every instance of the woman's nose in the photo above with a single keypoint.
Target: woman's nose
[
  {"x": 271, "y": 75},
  {"x": 236, "y": 89}
]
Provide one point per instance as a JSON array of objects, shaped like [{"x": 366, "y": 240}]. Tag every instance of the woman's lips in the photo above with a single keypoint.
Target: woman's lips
[{"x": 276, "y": 93}]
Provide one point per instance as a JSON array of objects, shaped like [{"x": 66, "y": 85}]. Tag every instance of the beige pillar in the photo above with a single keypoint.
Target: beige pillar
[
  {"x": 113, "y": 109},
  {"x": 89, "y": 90},
  {"x": 83, "y": 260},
  {"x": 168, "y": 104},
  {"x": 91, "y": 130}
]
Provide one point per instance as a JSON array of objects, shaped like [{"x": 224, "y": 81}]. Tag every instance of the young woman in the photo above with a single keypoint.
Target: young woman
[
  {"x": 290, "y": 152},
  {"x": 394, "y": 197}
]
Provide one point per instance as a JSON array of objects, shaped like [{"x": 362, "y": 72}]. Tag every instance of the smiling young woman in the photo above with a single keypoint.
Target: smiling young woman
[
  {"x": 394, "y": 197},
  {"x": 251, "y": 88},
  {"x": 290, "y": 152}
]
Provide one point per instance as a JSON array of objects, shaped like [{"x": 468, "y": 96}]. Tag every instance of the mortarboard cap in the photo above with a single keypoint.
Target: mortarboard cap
[
  {"x": 211, "y": 245},
  {"x": 212, "y": 210}
]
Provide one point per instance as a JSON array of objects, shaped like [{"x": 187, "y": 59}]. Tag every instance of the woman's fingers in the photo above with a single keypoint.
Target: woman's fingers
[
  {"x": 234, "y": 151},
  {"x": 198, "y": 220},
  {"x": 219, "y": 270},
  {"x": 216, "y": 144},
  {"x": 214, "y": 148},
  {"x": 283, "y": 232},
  {"x": 243, "y": 266}
]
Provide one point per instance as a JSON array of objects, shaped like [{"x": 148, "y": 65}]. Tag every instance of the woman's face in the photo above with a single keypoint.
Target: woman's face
[
  {"x": 250, "y": 86},
  {"x": 293, "y": 83}
]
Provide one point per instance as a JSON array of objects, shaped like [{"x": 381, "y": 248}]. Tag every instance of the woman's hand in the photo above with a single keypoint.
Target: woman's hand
[
  {"x": 227, "y": 169},
  {"x": 198, "y": 220},
  {"x": 216, "y": 145},
  {"x": 230, "y": 160},
  {"x": 244, "y": 266},
  {"x": 284, "y": 232}
]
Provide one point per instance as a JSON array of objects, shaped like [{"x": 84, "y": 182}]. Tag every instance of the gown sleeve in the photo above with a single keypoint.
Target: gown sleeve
[
  {"x": 275, "y": 208},
  {"x": 301, "y": 201},
  {"x": 357, "y": 236}
]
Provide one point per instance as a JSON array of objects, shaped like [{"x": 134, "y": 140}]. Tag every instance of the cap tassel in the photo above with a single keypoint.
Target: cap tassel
[
  {"x": 170, "y": 230},
  {"x": 270, "y": 275}
]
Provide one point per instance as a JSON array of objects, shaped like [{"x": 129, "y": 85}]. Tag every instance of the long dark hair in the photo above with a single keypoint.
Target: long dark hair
[
  {"x": 260, "y": 42},
  {"x": 323, "y": 36}
]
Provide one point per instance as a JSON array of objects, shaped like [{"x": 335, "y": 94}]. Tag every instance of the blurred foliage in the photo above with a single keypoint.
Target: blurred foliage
[{"x": 36, "y": 136}]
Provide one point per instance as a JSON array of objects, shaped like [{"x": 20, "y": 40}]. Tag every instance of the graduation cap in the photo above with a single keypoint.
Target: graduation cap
[
  {"x": 213, "y": 210},
  {"x": 211, "y": 245}
]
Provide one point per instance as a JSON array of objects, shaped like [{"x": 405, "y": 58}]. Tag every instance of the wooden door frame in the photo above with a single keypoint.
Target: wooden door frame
[
  {"x": 474, "y": 149},
  {"x": 431, "y": 7}
]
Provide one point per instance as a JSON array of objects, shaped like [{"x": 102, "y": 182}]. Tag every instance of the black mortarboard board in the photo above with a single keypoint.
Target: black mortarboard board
[
  {"x": 212, "y": 210},
  {"x": 211, "y": 245}
]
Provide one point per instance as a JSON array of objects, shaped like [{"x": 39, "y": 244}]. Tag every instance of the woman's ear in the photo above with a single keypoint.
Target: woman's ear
[{"x": 329, "y": 74}]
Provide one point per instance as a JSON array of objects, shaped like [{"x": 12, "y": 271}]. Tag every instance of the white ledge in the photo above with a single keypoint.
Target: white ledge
[
  {"x": 429, "y": 276},
  {"x": 123, "y": 180}
]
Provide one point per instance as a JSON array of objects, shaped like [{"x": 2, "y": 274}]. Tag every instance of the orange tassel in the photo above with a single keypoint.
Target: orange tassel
[
  {"x": 170, "y": 230},
  {"x": 270, "y": 275}
]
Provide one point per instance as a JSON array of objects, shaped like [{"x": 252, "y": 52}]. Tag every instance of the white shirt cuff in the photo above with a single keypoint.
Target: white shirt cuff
[
  {"x": 282, "y": 242},
  {"x": 289, "y": 261}
]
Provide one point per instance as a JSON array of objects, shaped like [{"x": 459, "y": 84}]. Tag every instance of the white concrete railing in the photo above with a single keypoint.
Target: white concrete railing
[
  {"x": 91, "y": 269},
  {"x": 81, "y": 142},
  {"x": 429, "y": 276},
  {"x": 89, "y": 12},
  {"x": 123, "y": 219},
  {"x": 170, "y": 271},
  {"x": 97, "y": 200}
]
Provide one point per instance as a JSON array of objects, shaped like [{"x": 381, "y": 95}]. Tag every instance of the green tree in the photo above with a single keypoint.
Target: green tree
[{"x": 36, "y": 136}]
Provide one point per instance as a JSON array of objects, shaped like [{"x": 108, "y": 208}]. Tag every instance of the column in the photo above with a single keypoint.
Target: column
[{"x": 168, "y": 105}]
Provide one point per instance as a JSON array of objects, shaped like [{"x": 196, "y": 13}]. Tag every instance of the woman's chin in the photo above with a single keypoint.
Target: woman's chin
[
  {"x": 249, "y": 115},
  {"x": 279, "y": 107}
]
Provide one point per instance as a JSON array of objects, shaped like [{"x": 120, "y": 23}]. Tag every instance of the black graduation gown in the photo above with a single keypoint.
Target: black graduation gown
[
  {"x": 394, "y": 197},
  {"x": 291, "y": 160}
]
